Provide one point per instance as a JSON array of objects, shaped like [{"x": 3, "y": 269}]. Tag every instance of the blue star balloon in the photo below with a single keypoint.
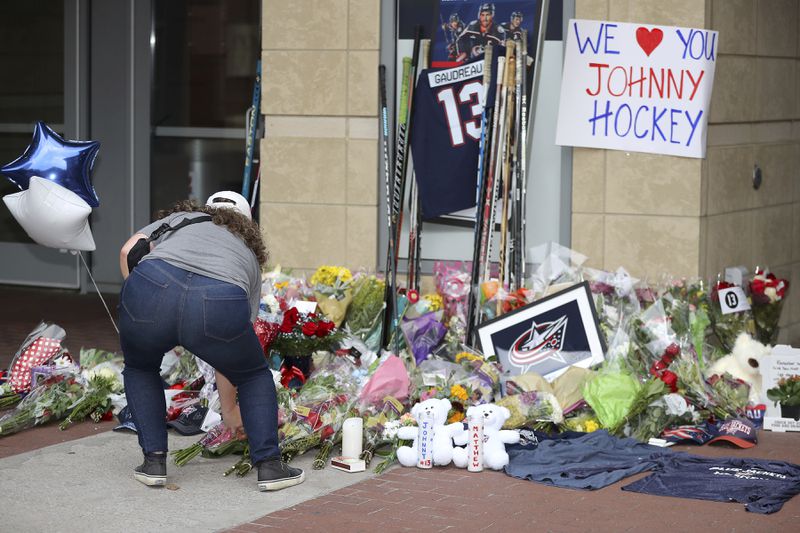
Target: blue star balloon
[{"x": 67, "y": 163}]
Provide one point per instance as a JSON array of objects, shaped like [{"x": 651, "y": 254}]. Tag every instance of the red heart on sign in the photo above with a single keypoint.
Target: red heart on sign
[{"x": 649, "y": 39}]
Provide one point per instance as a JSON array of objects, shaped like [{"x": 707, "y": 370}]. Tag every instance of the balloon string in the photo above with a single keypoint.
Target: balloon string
[{"x": 98, "y": 293}]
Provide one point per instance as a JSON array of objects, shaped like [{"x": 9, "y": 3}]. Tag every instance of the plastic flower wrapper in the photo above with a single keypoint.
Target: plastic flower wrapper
[
  {"x": 651, "y": 333},
  {"x": 217, "y": 442},
  {"x": 390, "y": 435},
  {"x": 377, "y": 417},
  {"x": 669, "y": 410},
  {"x": 531, "y": 408},
  {"x": 731, "y": 394},
  {"x": 612, "y": 395},
  {"x": 443, "y": 379},
  {"x": 687, "y": 305},
  {"x": 767, "y": 295},
  {"x": 452, "y": 283},
  {"x": 554, "y": 267},
  {"x": 365, "y": 312},
  {"x": 50, "y": 400},
  {"x": 100, "y": 384},
  {"x": 614, "y": 297},
  {"x": 179, "y": 367},
  {"x": 389, "y": 379},
  {"x": 728, "y": 326},
  {"x": 483, "y": 376},
  {"x": 320, "y": 408},
  {"x": 693, "y": 386},
  {"x": 8, "y": 397},
  {"x": 583, "y": 420},
  {"x": 423, "y": 333},
  {"x": 332, "y": 286}
]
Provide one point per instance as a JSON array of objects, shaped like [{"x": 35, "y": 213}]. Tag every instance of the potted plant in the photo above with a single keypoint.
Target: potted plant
[{"x": 787, "y": 393}]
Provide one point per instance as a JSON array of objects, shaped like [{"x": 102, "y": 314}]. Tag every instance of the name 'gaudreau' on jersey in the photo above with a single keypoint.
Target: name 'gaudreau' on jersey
[{"x": 446, "y": 137}]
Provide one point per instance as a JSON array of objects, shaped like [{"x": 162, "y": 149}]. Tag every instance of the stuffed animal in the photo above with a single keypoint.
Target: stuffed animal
[
  {"x": 744, "y": 363},
  {"x": 442, "y": 433},
  {"x": 494, "y": 438}
]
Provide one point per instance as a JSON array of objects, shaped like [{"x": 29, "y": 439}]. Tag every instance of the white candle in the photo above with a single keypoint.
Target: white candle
[
  {"x": 352, "y": 430},
  {"x": 475, "y": 446},
  {"x": 425, "y": 441}
]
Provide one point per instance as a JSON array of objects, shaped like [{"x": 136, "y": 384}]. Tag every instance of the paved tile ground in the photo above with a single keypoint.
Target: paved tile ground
[
  {"x": 402, "y": 499},
  {"x": 450, "y": 499}
]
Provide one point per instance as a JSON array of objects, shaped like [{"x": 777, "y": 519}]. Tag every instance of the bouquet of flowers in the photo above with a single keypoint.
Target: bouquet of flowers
[
  {"x": 332, "y": 286},
  {"x": 218, "y": 441},
  {"x": 452, "y": 282},
  {"x": 727, "y": 326},
  {"x": 389, "y": 435},
  {"x": 102, "y": 382},
  {"x": 767, "y": 294},
  {"x": 531, "y": 408},
  {"x": 364, "y": 312},
  {"x": 50, "y": 400},
  {"x": 300, "y": 335}
]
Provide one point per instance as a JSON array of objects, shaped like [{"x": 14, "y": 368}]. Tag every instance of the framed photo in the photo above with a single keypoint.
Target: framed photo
[{"x": 547, "y": 336}]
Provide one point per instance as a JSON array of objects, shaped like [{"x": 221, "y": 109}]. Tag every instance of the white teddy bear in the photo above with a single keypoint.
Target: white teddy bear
[
  {"x": 494, "y": 438},
  {"x": 442, "y": 434},
  {"x": 744, "y": 363}
]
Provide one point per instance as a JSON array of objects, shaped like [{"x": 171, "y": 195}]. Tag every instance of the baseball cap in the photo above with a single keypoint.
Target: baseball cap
[
  {"x": 126, "y": 423},
  {"x": 230, "y": 199},
  {"x": 190, "y": 421},
  {"x": 738, "y": 431}
]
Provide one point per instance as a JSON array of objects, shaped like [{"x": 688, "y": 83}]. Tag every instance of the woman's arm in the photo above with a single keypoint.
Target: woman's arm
[
  {"x": 123, "y": 253},
  {"x": 230, "y": 409}
]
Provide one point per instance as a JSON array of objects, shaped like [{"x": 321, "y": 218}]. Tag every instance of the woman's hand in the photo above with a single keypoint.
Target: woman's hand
[
  {"x": 232, "y": 419},
  {"x": 231, "y": 416}
]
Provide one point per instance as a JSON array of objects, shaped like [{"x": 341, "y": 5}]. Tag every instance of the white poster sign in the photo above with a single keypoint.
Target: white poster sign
[
  {"x": 636, "y": 87},
  {"x": 780, "y": 372}
]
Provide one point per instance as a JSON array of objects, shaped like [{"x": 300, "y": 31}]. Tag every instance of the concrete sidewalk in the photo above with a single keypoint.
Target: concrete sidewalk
[{"x": 87, "y": 485}]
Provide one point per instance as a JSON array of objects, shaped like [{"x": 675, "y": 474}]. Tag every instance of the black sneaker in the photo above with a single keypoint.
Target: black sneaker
[
  {"x": 153, "y": 471},
  {"x": 274, "y": 474}
]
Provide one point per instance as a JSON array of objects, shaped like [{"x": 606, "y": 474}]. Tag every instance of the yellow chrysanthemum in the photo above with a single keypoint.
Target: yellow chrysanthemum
[
  {"x": 458, "y": 392},
  {"x": 461, "y": 356},
  {"x": 434, "y": 301},
  {"x": 327, "y": 275},
  {"x": 458, "y": 416},
  {"x": 591, "y": 425},
  {"x": 281, "y": 285}
]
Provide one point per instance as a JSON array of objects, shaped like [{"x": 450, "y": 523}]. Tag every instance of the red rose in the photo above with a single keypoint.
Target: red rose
[
  {"x": 657, "y": 368},
  {"x": 757, "y": 286},
  {"x": 324, "y": 327},
  {"x": 286, "y": 327},
  {"x": 309, "y": 328},
  {"x": 670, "y": 378}
]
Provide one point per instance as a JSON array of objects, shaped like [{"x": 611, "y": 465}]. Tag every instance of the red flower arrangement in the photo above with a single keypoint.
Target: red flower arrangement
[
  {"x": 300, "y": 335},
  {"x": 767, "y": 294}
]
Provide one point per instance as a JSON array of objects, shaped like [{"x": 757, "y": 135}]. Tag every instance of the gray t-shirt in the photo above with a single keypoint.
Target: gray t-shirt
[{"x": 211, "y": 250}]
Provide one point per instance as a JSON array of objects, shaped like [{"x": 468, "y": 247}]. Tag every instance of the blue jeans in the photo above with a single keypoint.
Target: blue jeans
[{"x": 163, "y": 306}]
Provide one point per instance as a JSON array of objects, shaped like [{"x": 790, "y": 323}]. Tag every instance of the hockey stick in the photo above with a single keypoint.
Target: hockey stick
[
  {"x": 415, "y": 213},
  {"x": 473, "y": 300},
  {"x": 484, "y": 207},
  {"x": 252, "y": 130},
  {"x": 400, "y": 164},
  {"x": 498, "y": 157},
  {"x": 387, "y": 308},
  {"x": 502, "y": 273},
  {"x": 391, "y": 208}
]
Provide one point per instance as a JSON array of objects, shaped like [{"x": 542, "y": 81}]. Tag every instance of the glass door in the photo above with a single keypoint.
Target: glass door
[
  {"x": 38, "y": 61},
  {"x": 204, "y": 68}
]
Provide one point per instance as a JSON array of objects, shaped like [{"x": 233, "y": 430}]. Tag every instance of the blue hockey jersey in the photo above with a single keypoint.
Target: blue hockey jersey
[{"x": 446, "y": 135}]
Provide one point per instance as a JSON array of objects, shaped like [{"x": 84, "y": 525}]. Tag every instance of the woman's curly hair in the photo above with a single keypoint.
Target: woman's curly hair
[{"x": 237, "y": 223}]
